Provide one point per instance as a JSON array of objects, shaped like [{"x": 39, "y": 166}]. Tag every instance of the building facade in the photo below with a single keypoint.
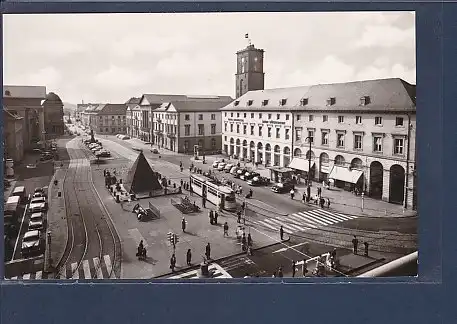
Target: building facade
[
  {"x": 13, "y": 136},
  {"x": 53, "y": 116},
  {"x": 109, "y": 119},
  {"x": 25, "y": 102},
  {"x": 249, "y": 75},
  {"x": 132, "y": 110},
  {"x": 362, "y": 134},
  {"x": 185, "y": 125}
]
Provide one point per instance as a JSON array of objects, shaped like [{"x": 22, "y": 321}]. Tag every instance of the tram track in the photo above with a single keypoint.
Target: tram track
[{"x": 82, "y": 200}]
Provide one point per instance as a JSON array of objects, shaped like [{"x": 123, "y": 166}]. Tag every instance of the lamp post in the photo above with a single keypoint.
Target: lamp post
[{"x": 309, "y": 159}]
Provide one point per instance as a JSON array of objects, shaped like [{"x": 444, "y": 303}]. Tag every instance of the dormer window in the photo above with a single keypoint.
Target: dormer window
[
  {"x": 236, "y": 103},
  {"x": 265, "y": 102},
  {"x": 249, "y": 103},
  {"x": 365, "y": 100},
  {"x": 282, "y": 102},
  {"x": 331, "y": 101},
  {"x": 303, "y": 101}
]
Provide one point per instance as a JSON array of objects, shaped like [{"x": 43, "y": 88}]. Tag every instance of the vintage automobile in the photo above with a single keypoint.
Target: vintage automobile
[
  {"x": 221, "y": 166},
  {"x": 216, "y": 164},
  {"x": 228, "y": 167},
  {"x": 234, "y": 171},
  {"x": 283, "y": 187},
  {"x": 258, "y": 181},
  {"x": 249, "y": 175},
  {"x": 155, "y": 151},
  {"x": 31, "y": 243}
]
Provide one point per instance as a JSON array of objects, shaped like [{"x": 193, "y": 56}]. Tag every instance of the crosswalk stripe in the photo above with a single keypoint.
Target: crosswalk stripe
[
  {"x": 327, "y": 216},
  {"x": 312, "y": 219},
  {"x": 299, "y": 228},
  {"x": 299, "y": 219},
  {"x": 278, "y": 224},
  {"x": 86, "y": 268},
  {"x": 26, "y": 276},
  {"x": 98, "y": 268},
  {"x": 75, "y": 275},
  {"x": 341, "y": 216},
  {"x": 109, "y": 266},
  {"x": 267, "y": 225},
  {"x": 321, "y": 218},
  {"x": 38, "y": 275}
]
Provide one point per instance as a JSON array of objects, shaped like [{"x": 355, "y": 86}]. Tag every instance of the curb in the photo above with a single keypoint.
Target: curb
[{"x": 215, "y": 261}]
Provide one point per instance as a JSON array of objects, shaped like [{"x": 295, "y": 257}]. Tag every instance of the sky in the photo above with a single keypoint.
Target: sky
[{"x": 112, "y": 57}]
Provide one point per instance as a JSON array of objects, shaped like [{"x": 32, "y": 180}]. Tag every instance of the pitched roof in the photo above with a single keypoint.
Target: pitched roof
[
  {"x": 133, "y": 101},
  {"x": 141, "y": 178},
  {"x": 196, "y": 105},
  {"x": 383, "y": 94},
  {"x": 165, "y": 98},
  {"x": 111, "y": 109},
  {"x": 32, "y": 92}
]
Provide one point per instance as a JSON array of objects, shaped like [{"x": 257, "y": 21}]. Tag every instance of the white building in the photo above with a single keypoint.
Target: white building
[{"x": 362, "y": 134}]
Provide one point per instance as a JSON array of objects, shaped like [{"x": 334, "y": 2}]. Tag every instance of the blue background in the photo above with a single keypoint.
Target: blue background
[{"x": 426, "y": 299}]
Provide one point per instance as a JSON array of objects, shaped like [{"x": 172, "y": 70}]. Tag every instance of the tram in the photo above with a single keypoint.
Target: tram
[{"x": 213, "y": 192}]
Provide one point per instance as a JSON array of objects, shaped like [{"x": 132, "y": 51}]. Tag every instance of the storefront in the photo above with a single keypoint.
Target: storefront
[
  {"x": 301, "y": 167},
  {"x": 347, "y": 178}
]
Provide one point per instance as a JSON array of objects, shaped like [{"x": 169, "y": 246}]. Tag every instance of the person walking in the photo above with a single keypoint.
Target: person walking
[
  {"x": 305, "y": 268},
  {"x": 292, "y": 193},
  {"x": 249, "y": 240},
  {"x": 281, "y": 233},
  {"x": 355, "y": 243},
  {"x": 173, "y": 263},
  {"x": 293, "y": 269},
  {"x": 328, "y": 202},
  {"x": 240, "y": 190},
  {"x": 208, "y": 251},
  {"x": 215, "y": 217},
  {"x": 304, "y": 197},
  {"x": 239, "y": 217},
  {"x": 280, "y": 274},
  {"x": 365, "y": 244},
  {"x": 211, "y": 217},
  {"x": 226, "y": 227},
  {"x": 204, "y": 202},
  {"x": 189, "y": 257},
  {"x": 243, "y": 242},
  {"x": 183, "y": 225}
]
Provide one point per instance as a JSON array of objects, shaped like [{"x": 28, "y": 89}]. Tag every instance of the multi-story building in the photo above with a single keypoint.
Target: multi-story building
[
  {"x": 184, "y": 125},
  {"x": 356, "y": 134},
  {"x": 132, "y": 116},
  {"x": 109, "y": 119},
  {"x": 53, "y": 116},
  {"x": 87, "y": 115},
  {"x": 13, "y": 145},
  {"x": 25, "y": 102}
]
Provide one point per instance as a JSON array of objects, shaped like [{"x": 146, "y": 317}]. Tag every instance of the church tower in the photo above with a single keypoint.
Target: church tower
[{"x": 249, "y": 75}]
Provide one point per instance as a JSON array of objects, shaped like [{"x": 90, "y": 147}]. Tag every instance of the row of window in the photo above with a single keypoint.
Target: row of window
[
  {"x": 167, "y": 127},
  {"x": 365, "y": 100},
  {"x": 113, "y": 129},
  {"x": 112, "y": 117},
  {"x": 377, "y": 141},
  {"x": 200, "y": 144},
  {"x": 201, "y": 129},
  {"x": 399, "y": 121}
]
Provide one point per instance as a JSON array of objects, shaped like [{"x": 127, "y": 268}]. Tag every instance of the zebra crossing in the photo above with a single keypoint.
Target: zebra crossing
[
  {"x": 89, "y": 269},
  {"x": 217, "y": 270},
  {"x": 302, "y": 221}
]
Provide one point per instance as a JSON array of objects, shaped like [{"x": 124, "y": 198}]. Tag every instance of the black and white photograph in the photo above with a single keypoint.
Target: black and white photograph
[{"x": 209, "y": 145}]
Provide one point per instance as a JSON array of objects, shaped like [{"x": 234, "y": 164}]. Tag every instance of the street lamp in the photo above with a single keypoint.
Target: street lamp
[{"x": 309, "y": 159}]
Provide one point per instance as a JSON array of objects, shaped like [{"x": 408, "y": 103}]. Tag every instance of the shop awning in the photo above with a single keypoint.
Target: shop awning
[
  {"x": 300, "y": 164},
  {"x": 344, "y": 174}
]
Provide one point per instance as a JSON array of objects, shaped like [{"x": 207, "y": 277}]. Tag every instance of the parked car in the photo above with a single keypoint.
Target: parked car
[
  {"x": 155, "y": 151},
  {"x": 96, "y": 149},
  {"x": 36, "y": 225},
  {"x": 38, "y": 200},
  {"x": 216, "y": 164},
  {"x": 249, "y": 175},
  {"x": 38, "y": 207},
  {"x": 46, "y": 157},
  {"x": 258, "y": 181},
  {"x": 103, "y": 153},
  {"x": 228, "y": 167},
  {"x": 31, "y": 243},
  {"x": 233, "y": 170},
  {"x": 283, "y": 187},
  {"x": 221, "y": 166},
  {"x": 240, "y": 172},
  {"x": 37, "y": 216}
]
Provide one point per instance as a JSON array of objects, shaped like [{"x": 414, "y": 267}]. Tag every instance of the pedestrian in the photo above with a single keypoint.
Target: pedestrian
[
  {"x": 308, "y": 193},
  {"x": 304, "y": 197},
  {"x": 293, "y": 269},
  {"x": 355, "y": 243},
  {"x": 243, "y": 205},
  {"x": 305, "y": 268},
  {"x": 240, "y": 189},
  {"x": 333, "y": 258},
  {"x": 281, "y": 233},
  {"x": 191, "y": 191},
  {"x": 183, "y": 225},
  {"x": 328, "y": 202},
  {"x": 239, "y": 217},
  {"x": 226, "y": 227},
  {"x": 280, "y": 274},
  {"x": 243, "y": 242},
  {"x": 189, "y": 257},
  {"x": 366, "y": 248},
  {"x": 173, "y": 263},
  {"x": 182, "y": 182},
  {"x": 204, "y": 202},
  {"x": 319, "y": 191},
  {"x": 208, "y": 251},
  {"x": 215, "y": 215},
  {"x": 211, "y": 219},
  {"x": 322, "y": 202},
  {"x": 292, "y": 193},
  {"x": 249, "y": 240}
]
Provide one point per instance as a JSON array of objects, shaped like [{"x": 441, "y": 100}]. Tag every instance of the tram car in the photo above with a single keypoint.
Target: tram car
[{"x": 213, "y": 192}]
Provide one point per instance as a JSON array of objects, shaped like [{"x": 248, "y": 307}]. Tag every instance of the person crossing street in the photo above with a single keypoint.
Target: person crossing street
[
  {"x": 226, "y": 228},
  {"x": 173, "y": 263},
  {"x": 281, "y": 233},
  {"x": 183, "y": 225},
  {"x": 355, "y": 243},
  {"x": 189, "y": 257},
  {"x": 208, "y": 251}
]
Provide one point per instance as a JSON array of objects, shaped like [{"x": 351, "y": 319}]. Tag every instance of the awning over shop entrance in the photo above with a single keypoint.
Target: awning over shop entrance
[
  {"x": 300, "y": 164},
  {"x": 344, "y": 174}
]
